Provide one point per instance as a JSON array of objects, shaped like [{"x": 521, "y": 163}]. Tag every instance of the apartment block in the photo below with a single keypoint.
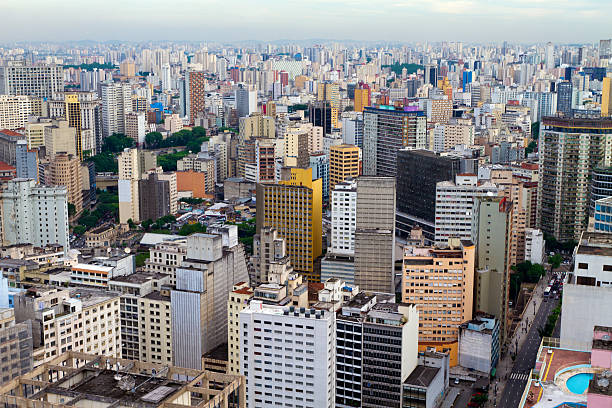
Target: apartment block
[
  {"x": 238, "y": 300},
  {"x": 65, "y": 170},
  {"x": 269, "y": 254},
  {"x": 60, "y": 138},
  {"x": 15, "y": 346},
  {"x": 440, "y": 282},
  {"x": 14, "y": 111},
  {"x": 20, "y": 78},
  {"x": 287, "y": 355}
]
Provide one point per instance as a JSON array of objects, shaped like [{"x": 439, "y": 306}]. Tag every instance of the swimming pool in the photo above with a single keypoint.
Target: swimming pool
[{"x": 579, "y": 383}]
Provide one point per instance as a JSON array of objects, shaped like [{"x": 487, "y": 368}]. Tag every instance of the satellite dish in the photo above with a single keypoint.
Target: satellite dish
[
  {"x": 108, "y": 250},
  {"x": 127, "y": 250}
]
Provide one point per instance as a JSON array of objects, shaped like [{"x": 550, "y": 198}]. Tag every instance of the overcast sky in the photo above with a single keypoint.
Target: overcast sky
[{"x": 532, "y": 21}]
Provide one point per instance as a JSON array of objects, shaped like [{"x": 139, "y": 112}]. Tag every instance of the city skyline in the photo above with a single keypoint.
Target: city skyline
[{"x": 401, "y": 21}]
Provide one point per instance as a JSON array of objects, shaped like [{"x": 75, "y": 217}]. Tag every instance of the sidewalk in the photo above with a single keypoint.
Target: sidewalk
[{"x": 505, "y": 364}]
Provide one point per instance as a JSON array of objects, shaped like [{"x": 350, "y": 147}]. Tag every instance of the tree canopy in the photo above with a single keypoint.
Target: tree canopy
[
  {"x": 116, "y": 142},
  {"x": 104, "y": 162}
]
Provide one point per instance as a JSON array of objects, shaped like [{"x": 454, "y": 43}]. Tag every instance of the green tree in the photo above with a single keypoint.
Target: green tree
[
  {"x": 79, "y": 230},
  {"x": 168, "y": 161},
  {"x": 535, "y": 130},
  {"x": 188, "y": 229},
  {"x": 88, "y": 221},
  {"x": 531, "y": 147},
  {"x": 116, "y": 142},
  {"x": 153, "y": 139},
  {"x": 104, "y": 162},
  {"x": 71, "y": 209},
  {"x": 555, "y": 261},
  {"x": 141, "y": 258},
  {"x": 146, "y": 224}
]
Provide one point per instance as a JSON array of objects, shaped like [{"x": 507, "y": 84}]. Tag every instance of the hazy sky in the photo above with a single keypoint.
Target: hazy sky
[{"x": 401, "y": 20}]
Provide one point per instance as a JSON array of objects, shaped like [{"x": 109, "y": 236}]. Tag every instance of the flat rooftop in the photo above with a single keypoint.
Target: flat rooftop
[{"x": 595, "y": 243}]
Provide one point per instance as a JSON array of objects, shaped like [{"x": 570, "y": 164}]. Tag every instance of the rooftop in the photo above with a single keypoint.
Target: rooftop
[
  {"x": 422, "y": 376},
  {"x": 595, "y": 243}
]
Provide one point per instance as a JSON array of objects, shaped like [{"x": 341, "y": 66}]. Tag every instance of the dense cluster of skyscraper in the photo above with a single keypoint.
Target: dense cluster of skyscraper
[{"x": 382, "y": 196}]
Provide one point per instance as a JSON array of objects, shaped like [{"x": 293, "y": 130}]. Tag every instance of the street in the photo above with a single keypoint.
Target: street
[{"x": 517, "y": 377}]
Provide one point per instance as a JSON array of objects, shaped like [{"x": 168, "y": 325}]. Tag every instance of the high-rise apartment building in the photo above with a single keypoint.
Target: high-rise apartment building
[
  {"x": 16, "y": 346},
  {"x": 133, "y": 163},
  {"x": 362, "y": 99},
  {"x": 296, "y": 148},
  {"x": 90, "y": 106},
  {"x": 293, "y": 207},
  {"x": 8, "y": 146},
  {"x": 322, "y": 114},
  {"x": 257, "y": 125},
  {"x": 60, "y": 138},
  {"x": 299, "y": 359},
  {"x": 196, "y": 81},
  {"x": 34, "y": 215},
  {"x": 441, "y": 309},
  {"x": 65, "y": 170},
  {"x": 330, "y": 93},
  {"x": 343, "y": 163},
  {"x": 319, "y": 163},
  {"x": 72, "y": 113},
  {"x": 35, "y": 131},
  {"x": 387, "y": 130},
  {"x": 439, "y": 109},
  {"x": 20, "y": 78},
  {"x": 116, "y": 103},
  {"x": 343, "y": 218},
  {"x": 352, "y": 128},
  {"x": 493, "y": 215},
  {"x": 455, "y": 206},
  {"x": 375, "y": 234},
  {"x": 246, "y": 101},
  {"x": 569, "y": 150},
  {"x": 564, "y": 98}
]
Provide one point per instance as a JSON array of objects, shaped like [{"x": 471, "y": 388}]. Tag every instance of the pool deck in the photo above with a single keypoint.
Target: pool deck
[{"x": 550, "y": 394}]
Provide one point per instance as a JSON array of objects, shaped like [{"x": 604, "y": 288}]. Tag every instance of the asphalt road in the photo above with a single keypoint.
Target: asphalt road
[{"x": 525, "y": 360}]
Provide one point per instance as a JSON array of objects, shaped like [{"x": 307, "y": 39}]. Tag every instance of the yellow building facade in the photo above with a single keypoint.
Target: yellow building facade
[{"x": 294, "y": 208}]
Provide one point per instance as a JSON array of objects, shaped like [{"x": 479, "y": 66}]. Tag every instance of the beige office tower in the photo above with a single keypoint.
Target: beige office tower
[
  {"x": 256, "y": 125},
  {"x": 128, "y": 68},
  {"x": 521, "y": 195},
  {"x": 296, "y": 148},
  {"x": 170, "y": 177},
  {"x": 238, "y": 300},
  {"x": 219, "y": 145},
  {"x": 35, "y": 131},
  {"x": 60, "y": 138},
  {"x": 65, "y": 170},
  {"x": 493, "y": 236},
  {"x": 133, "y": 164},
  {"x": 441, "y": 309},
  {"x": 375, "y": 234}
]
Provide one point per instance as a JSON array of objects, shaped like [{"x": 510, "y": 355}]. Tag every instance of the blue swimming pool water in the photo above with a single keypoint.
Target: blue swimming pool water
[{"x": 579, "y": 383}]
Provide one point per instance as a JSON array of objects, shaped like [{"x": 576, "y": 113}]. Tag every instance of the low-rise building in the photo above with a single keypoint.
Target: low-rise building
[{"x": 479, "y": 343}]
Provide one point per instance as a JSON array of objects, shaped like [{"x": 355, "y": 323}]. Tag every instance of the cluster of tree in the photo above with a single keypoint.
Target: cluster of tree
[
  {"x": 116, "y": 142},
  {"x": 168, "y": 161},
  {"x": 141, "y": 258},
  {"x": 107, "y": 210},
  {"x": 397, "y": 68},
  {"x": 188, "y": 229},
  {"x": 162, "y": 223},
  {"x": 552, "y": 245},
  {"x": 549, "y": 327},
  {"x": 524, "y": 272},
  {"x": 105, "y": 162},
  {"x": 555, "y": 261},
  {"x": 90, "y": 67},
  {"x": 191, "y": 139}
]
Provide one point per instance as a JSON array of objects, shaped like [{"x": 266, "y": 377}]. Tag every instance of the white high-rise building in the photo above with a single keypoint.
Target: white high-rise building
[
  {"x": 14, "y": 111},
  {"x": 344, "y": 218},
  {"x": 550, "y": 56},
  {"x": 455, "y": 206},
  {"x": 34, "y": 215},
  {"x": 288, "y": 356},
  {"x": 166, "y": 78},
  {"x": 116, "y": 103},
  {"x": 18, "y": 78}
]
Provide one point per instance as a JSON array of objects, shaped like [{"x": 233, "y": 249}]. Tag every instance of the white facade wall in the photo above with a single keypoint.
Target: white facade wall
[
  {"x": 344, "y": 218},
  {"x": 288, "y": 359}
]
